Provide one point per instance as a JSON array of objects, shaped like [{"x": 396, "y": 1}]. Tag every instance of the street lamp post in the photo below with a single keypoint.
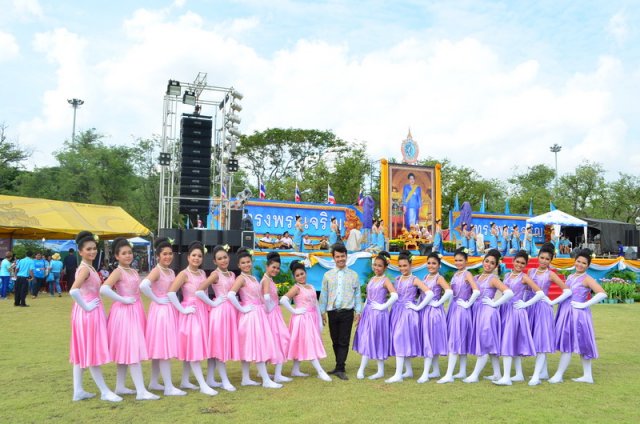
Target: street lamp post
[
  {"x": 555, "y": 149},
  {"x": 75, "y": 104}
]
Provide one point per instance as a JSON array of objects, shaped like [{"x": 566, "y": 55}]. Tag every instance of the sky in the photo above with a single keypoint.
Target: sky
[{"x": 488, "y": 84}]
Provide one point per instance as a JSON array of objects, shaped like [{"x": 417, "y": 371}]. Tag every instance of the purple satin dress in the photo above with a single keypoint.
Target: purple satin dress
[
  {"x": 541, "y": 315},
  {"x": 516, "y": 332},
  {"x": 433, "y": 323},
  {"x": 405, "y": 323},
  {"x": 372, "y": 334},
  {"x": 459, "y": 319},
  {"x": 574, "y": 327},
  {"x": 487, "y": 328}
]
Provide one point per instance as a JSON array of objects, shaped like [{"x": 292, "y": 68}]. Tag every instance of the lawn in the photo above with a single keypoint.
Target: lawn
[{"x": 36, "y": 385}]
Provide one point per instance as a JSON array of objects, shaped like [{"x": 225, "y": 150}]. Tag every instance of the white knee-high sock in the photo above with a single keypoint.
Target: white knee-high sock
[
  {"x": 518, "y": 366},
  {"x": 436, "y": 366},
  {"x": 537, "y": 370},
  {"x": 318, "y": 367},
  {"x": 78, "y": 390},
  {"x": 197, "y": 373},
  {"x": 425, "y": 371},
  {"x": 408, "y": 368},
  {"x": 495, "y": 364},
  {"x": 155, "y": 373},
  {"x": 565, "y": 359},
  {"x": 164, "y": 365},
  {"x": 138, "y": 380},
  {"x": 222, "y": 370},
  {"x": 363, "y": 365},
  {"x": 451, "y": 365},
  {"x": 106, "y": 393},
  {"x": 121, "y": 380},
  {"x": 480, "y": 364}
]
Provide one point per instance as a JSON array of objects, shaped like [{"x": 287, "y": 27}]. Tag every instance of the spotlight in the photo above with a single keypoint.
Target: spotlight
[
  {"x": 165, "y": 159},
  {"x": 173, "y": 88},
  {"x": 236, "y": 94},
  {"x": 234, "y": 118},
  {"x": 189, "y": 98},
  {"x": 234, "y": 131},
  {"x": 236, "y": 106}
]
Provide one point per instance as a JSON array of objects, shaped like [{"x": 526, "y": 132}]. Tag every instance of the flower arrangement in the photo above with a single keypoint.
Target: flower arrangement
[{"x": 618, "y": 290}]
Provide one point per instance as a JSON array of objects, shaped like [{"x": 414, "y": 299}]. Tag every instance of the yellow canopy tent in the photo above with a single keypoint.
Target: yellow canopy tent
[{"x": 28, "y": 218}]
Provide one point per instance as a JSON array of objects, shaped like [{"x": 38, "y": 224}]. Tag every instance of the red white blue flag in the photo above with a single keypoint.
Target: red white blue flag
[
  {"x": 360, "y": 198},
  {"x": 298, "y": 198},
  {"x": 223, "y": 193},
  {"x": 331, "y": 199},
  {"x": 263, "y": 191}
]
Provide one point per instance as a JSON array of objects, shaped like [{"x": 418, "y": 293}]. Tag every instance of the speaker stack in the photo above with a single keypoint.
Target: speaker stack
[{"x": 195, "y": 172}]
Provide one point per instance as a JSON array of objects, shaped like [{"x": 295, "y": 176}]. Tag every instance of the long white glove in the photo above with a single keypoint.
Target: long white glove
[
  {"x": 467, "y": 304},
  {"x": 595, "y": 299},
  {"x": 105, "y": 290},
  {"x": 425, "y": 301},
  {"x": 268, "y": 302},
  {"x": 521, "y": 304},
  {"x": 145, "y": 287},
  {"x": 93, "y": 304},
  {"x": 393, "y": 298},
  {"x": 173, "y": 298},
  {"x": 286, "y": 302},
  {"x": 200, "y": 294},
  {"x": 448, "y": 294},
  {"x": 566, "y": 293},
  {"x": 234, "y": 301},
  {"x": 506, "y": 296}
]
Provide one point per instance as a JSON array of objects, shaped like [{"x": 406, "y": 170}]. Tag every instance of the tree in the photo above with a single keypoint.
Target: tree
[
  {"x": 11, "y": 158},
  {"x": 533, "y": 184},
  {"x": 621, "y": 199},
  {"x": 580, "y": 189}
]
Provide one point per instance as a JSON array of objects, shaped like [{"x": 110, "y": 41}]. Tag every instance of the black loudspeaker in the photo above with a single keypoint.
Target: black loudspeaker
[
  {"x": 171, "y": 233},
  {"x": 195, "y": 206},
  {"x": 194, "y": 191},
  {"x": 248, "y": 239},
  {"x": 195, "y": 151},
  {"x": 195, "y": 172},
  {"x": 233, "y": 238},
  {"x": 200, "y": 142},
  {"x": 191, "y": 171},
  {"x": 211, "y": 238},
  {"x": 194, "y": 181},
  {"x": 203, "y": 162},
  {"x": 235, "y": 219},
  {"x": 207, "y": 261},
  {"x": 189, "y": 236}
]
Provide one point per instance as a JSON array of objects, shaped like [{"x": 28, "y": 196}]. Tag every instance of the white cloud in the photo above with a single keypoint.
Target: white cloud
[
  {"x": 9, "y": 48},
  {"x": 618, "y": 27},
  {"x": 28, "y": 8}
]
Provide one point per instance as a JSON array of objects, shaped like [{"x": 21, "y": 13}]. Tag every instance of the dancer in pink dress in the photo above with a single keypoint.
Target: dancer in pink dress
[
  {"x": 223, "y": 320},
  {"x": 162, "y": 321},
  {"x": 305, "y": 325},
  {"x": 274, "y": 316},
  {"x": 576, "y": 332},
  {"x": 193, "y": 320},
  {"x": 257, "y": 343},
  {"x": 89, "y": 347},
  {"x": 126, "y": 323}
]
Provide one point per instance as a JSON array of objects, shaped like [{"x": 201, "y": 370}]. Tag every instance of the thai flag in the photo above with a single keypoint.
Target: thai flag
[
  {"x": 223, "y": 193},
  {"x": 360, "y": 198},
  {"x": 331, "y": 199},
  {"x": 263, "y": 191},
  {"x": 298, "y": 198}
]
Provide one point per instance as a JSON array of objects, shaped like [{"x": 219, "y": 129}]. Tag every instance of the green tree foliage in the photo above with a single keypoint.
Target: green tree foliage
[
  {"x": 11, "y": 158},
  {"x": 579, "y": 191},
  {"x": 535, "y": 183}
]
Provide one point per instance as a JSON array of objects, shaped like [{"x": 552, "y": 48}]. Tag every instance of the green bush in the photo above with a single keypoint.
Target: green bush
[{"x": 627, "y": 275}]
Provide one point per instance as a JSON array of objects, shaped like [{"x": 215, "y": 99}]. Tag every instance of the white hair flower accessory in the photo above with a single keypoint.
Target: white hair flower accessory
[
  {"x": 439, "y": 255},
  {"x": 226, "y": 247},
  {"x": 250, "y": 251},
  {"x": 593, "y": 255},
  {"x": 205, "y": 249},
  {"x": 96, "y": 238},
  {"x": 171, "y": 241},
  {"x": 465, "y": 250}
]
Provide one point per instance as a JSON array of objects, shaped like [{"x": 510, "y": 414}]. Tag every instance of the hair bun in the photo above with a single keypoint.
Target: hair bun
[{"x": 83, "y": 235}]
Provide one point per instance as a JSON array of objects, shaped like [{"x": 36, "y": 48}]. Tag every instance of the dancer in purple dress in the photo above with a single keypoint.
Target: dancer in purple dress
[
  {"x": 433, "y": 321},
  {"x": 574, "y": 330},
  {"x": 459, "y": 317},
  {"x": 487, "y": 328},
  {"x": 223, "y": 320},
  {"x": 541, "y": 314},
  {"x": 372, "y": 333},
  {"x": 405, "y": 319},
  {"x": 517, "y": 340}
]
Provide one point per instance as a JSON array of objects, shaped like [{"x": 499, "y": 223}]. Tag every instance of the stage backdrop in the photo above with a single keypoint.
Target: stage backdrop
[
  {"x": 482, "y": 222},
  {"x": 276, "y": 217},
  {"x": 414, "y": 194}
]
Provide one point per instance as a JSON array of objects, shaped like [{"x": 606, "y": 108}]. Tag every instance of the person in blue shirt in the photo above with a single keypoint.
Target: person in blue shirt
[
  {"x": 24, "y": 274},
  {"x": 39, "y": 274},
  {"x": 5, "y": 275},
  {"x": 411, "y": 202},
  {"x": 55, "y": 268},
  {"x": 620, "y": 248}
]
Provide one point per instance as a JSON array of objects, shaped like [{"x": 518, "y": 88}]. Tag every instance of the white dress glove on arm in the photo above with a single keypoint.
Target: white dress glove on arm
[
  {"x": 75, "y": 294},
  {"x": 448, "y": 294},
  {"x": 566, "y": 293},
  {"x": 145, "y": 287},
  {"x": 108, "y": 291},
  {"x": 234, "y": 301},
  {"x": 536, "y": 297},
  {"x": 286, "y": 302},
  {"x": 200, "y": 294},
  {"x": 595, "y": 299},
  {"x": 173, "y": 298},
  {"x": 393, "y": 298},
  {"x": 268, "y": 302},
  {"x": 425, "y": 301},
  {"x": 466, "y": 305},
  {"x": 506, "y": 296}
]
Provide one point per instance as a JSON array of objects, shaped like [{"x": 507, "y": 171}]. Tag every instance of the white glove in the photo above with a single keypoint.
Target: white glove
[
  {"x": 467, "y": 304},
  {"x": 393, "y": 298},
  {"x": 566, "y": 293},
  {"x": 268, "y": 302},
  {"x": 286, "y": 302},
  {"x": 145, "y": 287},
  {"x": 595, "y": 299},
  {"x": 448, "y": 294},
  {"x": 506, "y": 296},
  {"x": 105, "y": 290},
  {"x": 173, "y": 298},
  {"x": 425, "y": 301},
  {"x": 521, "y": 304},
  {"x": 200, "y": 294},
  {"x": 234, "y": 301},
  {"x": 93, "y": 304},
  {"x": 219, "y": 300}
]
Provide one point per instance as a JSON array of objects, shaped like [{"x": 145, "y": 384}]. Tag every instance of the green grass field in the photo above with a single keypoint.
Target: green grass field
[{"x": 36, "y": 385}]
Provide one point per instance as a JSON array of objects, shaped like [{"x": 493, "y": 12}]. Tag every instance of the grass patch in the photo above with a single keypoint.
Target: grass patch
[{"x": 37, "y": 387}]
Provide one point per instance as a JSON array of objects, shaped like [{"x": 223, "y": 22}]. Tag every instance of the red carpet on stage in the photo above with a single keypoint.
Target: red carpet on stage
[{"x": 554, "y": 291}]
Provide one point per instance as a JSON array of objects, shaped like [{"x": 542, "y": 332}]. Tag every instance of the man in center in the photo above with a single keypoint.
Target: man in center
[{"x": 340, "y": 303}]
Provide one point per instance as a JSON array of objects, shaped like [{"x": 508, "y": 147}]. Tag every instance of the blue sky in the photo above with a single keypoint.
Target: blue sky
[{"x": 489, "y": 84}]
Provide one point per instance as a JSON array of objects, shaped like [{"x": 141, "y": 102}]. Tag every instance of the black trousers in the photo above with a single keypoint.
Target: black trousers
[
  {"x": 340, "y": 324},
  {"x": 20, "y": 291}
]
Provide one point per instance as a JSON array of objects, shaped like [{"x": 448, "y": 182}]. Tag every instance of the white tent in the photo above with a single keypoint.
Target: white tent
[{"x": 558, "y": 219}]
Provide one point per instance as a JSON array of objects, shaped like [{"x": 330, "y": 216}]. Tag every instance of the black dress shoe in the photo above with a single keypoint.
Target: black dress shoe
[
  {"x": 333, "y": 371},
  {"x": 341, "y": 375},
  {"x": 25, "y": 306}
]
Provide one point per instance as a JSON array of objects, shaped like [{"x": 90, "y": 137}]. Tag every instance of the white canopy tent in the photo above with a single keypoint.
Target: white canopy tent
[{"x": 558, "y": 219}]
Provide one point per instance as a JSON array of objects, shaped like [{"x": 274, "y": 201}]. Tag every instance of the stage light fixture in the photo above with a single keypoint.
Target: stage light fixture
[
  {"x": 236, "y": 106},
  {"x": 165, "y": 159},
  {"x": 173, "y": 88},
  {"x": 189, "y": 98},
  {"x": 234, "y": 131},
  {"x": 236, "y": 94},
  {"x": 234, "y": 118}
]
